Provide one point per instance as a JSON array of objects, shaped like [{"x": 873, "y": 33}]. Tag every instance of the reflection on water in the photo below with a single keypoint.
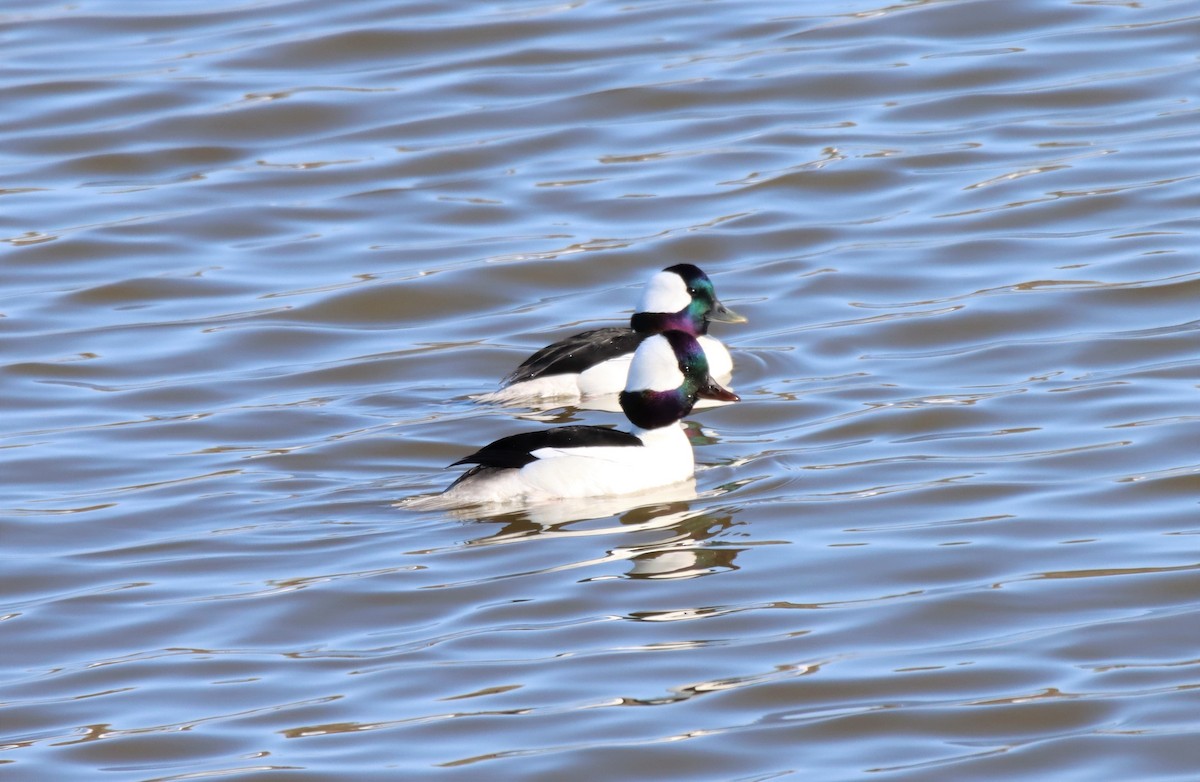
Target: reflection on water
[
  {"x": 670, "y": 532},
  {"x": 260, "y": 260},
  {"x": 542, "y": 515}
]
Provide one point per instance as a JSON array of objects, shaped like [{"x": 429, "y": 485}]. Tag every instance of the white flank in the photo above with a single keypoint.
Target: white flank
[
  {"x": 654, "y": 366},
  {"x": 548, "y": 387},
  {"x": 607, "y": 377},
  {"x": 666, "y": 292},
  {"x": 597, "y": 471}
]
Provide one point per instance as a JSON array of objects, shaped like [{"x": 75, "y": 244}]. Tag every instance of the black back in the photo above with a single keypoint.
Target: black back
[
  {"x": 576, "y": 353},
  {"x": 516, "y": 450}
]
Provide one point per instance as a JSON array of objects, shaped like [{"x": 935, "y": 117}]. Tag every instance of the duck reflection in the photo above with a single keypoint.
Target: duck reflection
[
  {"x": 671, "y": 533},
  {"x": 682, "y": 562},
  {"x": 528, "y": 518}
]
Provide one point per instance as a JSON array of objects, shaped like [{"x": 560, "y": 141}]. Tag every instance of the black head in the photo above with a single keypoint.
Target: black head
[
  {"x": 668, "y": 374},
  {"x": 681, "y": 297}
]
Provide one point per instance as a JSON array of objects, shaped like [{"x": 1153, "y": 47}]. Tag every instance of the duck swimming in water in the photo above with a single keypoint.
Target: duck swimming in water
[
  {"x": 668, "y": 373},
  {"x": 596, "y": 362}
]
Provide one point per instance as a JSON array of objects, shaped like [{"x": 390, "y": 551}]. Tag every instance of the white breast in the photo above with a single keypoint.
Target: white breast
[
  {"x": 720, "y": 363},
  {"x": 720, "y": 367}
]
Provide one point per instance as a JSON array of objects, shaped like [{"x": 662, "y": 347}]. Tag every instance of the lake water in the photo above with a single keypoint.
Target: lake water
[{"x": 258, "y": 257}]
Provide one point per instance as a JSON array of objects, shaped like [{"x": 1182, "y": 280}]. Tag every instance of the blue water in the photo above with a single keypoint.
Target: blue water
[{"x": 259, "y": 258}]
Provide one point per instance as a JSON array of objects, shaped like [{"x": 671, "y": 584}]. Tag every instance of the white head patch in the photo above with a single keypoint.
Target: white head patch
[
  {"x": 666, "y": 292},
  {"x": 654, "y": 367}
]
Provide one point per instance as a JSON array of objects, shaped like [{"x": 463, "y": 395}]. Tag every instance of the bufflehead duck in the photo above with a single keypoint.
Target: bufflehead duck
[
  {"x": 595, "y": 363},
  {"x": 668, "y": 373}
]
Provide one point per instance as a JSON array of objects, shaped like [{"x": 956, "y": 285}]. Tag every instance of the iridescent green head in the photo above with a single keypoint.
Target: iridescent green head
[
  {"x": 681, "y": 297},
  {"x": 668, "y": 374}
]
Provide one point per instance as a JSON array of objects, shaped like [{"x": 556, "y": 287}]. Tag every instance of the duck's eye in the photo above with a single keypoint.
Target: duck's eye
[{"x": 692, "y": 291}]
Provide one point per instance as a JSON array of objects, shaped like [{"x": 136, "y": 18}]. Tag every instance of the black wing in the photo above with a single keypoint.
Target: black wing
[
  {"x": 577, "y": 353},
  {"x": 516, "y": 450}
]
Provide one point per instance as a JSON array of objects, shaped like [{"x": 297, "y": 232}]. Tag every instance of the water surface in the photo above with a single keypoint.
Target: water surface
[{"x": 259, "y": 257}]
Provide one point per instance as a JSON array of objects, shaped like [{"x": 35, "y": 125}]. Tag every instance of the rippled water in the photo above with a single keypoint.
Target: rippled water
[{"x": 258, "y": 257}]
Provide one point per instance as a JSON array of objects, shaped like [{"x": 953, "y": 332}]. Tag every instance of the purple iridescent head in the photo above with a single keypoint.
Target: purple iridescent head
[
  {"x": 680, "y": 297},
  {"x": 668, "y": 374}
]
